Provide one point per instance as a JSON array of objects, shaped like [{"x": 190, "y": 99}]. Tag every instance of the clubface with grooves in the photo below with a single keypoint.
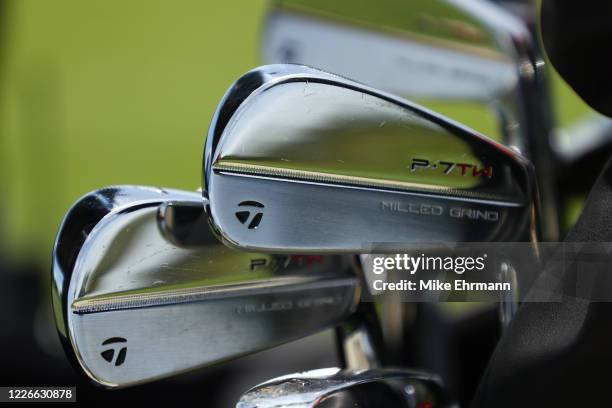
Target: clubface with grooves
[
  {"x": 139, "y": 296},
  {"x": 471, "y": 60},
  {"x": 300, "y": 160}
]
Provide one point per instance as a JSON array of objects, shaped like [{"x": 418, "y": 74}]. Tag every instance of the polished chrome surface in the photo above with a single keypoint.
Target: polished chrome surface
[
  {"x": 468, "y": 59},
  {"x": 142, "y": 292},
  {"x": 438, "y": 49},
  {"x": 509, "y": 301},
  {"x": 305, "y": 161},
  {"x": 359, "y": 352},
  {"x": 341, "y": 388}
]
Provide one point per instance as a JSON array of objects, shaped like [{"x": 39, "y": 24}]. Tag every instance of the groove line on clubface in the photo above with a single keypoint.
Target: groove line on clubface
[{"x": 176, "y": 296}]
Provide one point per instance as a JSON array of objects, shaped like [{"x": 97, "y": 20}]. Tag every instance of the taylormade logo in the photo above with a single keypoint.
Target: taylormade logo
[{"x": 250, "y": 213}]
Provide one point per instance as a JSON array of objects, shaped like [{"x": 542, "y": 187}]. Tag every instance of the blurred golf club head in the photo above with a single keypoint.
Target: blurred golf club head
[{"x": 332, "y": 387}]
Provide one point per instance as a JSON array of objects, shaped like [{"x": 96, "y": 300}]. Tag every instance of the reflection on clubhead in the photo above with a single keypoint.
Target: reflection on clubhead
[
  {"x": 140, "y": 295},
  {"x": 438, "y": 49},
  {"x": 331, "y": 387},
  {"x": 335, "y": 166},
  {"x": 474, "y": 61}
]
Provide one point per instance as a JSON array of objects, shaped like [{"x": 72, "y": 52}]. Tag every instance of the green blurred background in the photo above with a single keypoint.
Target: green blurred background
[
  {"x": 113, "y": 92},
  {"x": 118, "y": 92}
]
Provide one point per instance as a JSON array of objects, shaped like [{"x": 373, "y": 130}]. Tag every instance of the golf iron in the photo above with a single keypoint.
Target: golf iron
[
  {"x": 332, "y": 387},
  {"x": 472, "y": 60},
  {"x": 298, "y": 160},
  {"x": 143, "y": 290}
]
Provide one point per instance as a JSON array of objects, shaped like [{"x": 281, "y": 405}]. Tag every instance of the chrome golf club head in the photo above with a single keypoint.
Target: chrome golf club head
[
  {"x": 471, "y": 60},
  {"x": 332, "y": 387},
  {"x": 138, "y": 296},
  {"x": 300, "y": 160},
  {"x": 462, "y": 50}
]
